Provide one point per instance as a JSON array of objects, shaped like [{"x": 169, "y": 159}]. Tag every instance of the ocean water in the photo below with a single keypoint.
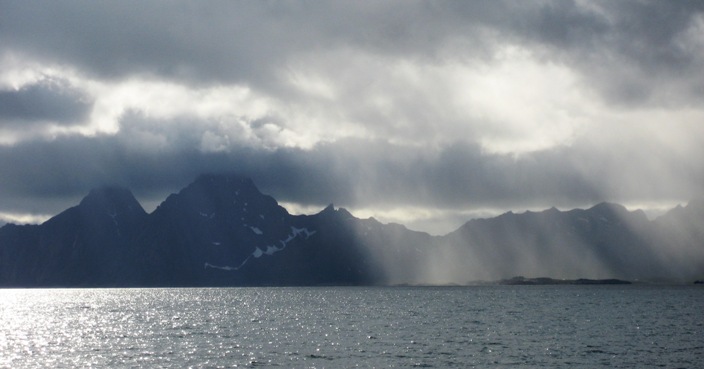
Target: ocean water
[{"x": 340, "y": 327}]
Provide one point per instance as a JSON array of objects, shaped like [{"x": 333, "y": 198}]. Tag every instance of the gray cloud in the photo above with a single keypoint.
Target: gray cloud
[
  {"x": 631, "y": 52},
  {"x": 349, "y": 173},
  {"x": 366, "y": 104},
  {"x": 616, "y": 43},
  {"x": 48, "y": 100}
]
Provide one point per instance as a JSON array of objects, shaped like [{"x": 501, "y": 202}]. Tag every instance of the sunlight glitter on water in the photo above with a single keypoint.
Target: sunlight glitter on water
[{"x": 552, "y": 326}]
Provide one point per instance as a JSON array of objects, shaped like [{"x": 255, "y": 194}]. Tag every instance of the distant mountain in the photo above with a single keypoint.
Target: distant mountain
[
  {"x": 678, "y": 241},
  {"x": 604, "y": 241},
  {"x": 221, "y": 231}
]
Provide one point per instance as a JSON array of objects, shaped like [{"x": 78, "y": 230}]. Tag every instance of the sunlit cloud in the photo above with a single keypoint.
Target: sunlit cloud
[
  {"x": 17, "y": 218},
  {"x": 423, "y": 117}
]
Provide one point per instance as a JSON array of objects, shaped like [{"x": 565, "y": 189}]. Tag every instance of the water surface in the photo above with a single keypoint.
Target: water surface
[{"x": 483, "y": 326}]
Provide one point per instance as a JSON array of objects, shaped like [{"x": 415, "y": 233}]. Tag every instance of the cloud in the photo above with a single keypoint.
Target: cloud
[
  {"x": 636, "y": 53},
  {"x": 45, "y": 101},
  {"x": 359, "y": 174},
  {"x": 251, "y": 43},
  {"x": 441, "y": 109}
]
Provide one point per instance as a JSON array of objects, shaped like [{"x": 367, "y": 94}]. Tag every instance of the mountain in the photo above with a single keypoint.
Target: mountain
[
  {"x": 89, "y": 244},
  {"x": 679, "y": 241},
  {"x": 222, "y": 231},
  {"x": 605, "y": 241},
  {"x": 218, "y": 231}
]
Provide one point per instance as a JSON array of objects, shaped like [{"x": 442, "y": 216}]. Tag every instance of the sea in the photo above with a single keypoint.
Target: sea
[{"x": 493, "y": 326}]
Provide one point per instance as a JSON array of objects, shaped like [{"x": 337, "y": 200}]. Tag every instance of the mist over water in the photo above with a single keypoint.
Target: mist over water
[{"x": 602, "y": 242}]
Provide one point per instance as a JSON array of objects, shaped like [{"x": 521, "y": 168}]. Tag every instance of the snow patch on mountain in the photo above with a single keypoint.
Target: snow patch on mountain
[
  {"x": 297, "y": 231},
  {"x": 270, "y": 249},
  {"x": 228, "y": 268}
]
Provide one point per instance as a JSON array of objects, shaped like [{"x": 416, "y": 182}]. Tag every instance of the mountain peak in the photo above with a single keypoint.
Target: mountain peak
[
  {"x": 329, "y": 209},
  {"x": 222, "y": 177},
  {"x": 693, "y": 207},
  {"x": 224, "y": 183},
  {"x": 111, "y": 198},
  {"x": 344, "y": 213},
  {"x": 232, "y": 196},
  {"x": 109, "y": 191},
  {"x": 609, "y": 207}
]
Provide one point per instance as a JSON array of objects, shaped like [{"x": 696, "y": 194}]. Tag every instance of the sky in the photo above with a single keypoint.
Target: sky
[{"x": 425, "y": 113}]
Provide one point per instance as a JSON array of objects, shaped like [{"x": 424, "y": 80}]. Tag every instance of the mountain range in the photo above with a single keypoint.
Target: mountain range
[{"x": 222, "y": 231}]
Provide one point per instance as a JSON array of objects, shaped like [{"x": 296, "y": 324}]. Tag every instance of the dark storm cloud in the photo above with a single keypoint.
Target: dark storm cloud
[
  {"x": 621, "y": 47},
  {"x": 372, "y": 121},
  {"x": 225, "y": 42},
  {"x": 47, "y": 100},
  {"x": 628, "y": 51},
  {"x": 348, "y": 173}
]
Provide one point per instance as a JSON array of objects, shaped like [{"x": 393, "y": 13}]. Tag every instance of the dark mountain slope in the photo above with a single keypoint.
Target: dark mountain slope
[
  {"x": 89, "y": 244},
  {"x": 222, "y": 231}
]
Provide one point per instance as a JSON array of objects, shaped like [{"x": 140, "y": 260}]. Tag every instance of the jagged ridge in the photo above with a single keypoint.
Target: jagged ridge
[{"x": 221, "y": 230}]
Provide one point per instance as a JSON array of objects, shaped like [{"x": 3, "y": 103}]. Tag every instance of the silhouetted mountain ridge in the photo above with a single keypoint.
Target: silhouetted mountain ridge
[{"x": 221, "y": 230}]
